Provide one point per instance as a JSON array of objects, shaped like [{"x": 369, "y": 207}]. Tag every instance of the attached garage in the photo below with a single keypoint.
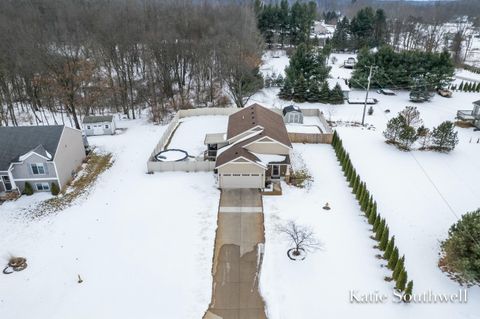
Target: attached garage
[
  {"x": 241, "y": 173},
  {"x": 227, "y": 180}
]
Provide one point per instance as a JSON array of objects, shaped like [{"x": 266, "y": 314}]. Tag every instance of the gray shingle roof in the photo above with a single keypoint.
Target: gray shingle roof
[
  {"x": 477, "y": 102},
  {"x": 17, "y": 141},
  {"x": 97, "y": 119}
]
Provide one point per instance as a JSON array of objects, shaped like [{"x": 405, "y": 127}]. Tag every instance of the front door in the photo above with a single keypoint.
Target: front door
[
  {"x": 275, "y": 171},
  {"x": 7, "y": 183}
]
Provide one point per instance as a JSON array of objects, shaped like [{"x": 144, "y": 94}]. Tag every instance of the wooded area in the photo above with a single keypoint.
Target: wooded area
[{"x": 79, "y": 57}]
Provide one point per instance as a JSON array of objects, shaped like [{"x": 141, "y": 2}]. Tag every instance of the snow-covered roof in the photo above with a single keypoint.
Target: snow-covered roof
[{"x": 215, "y": 138}]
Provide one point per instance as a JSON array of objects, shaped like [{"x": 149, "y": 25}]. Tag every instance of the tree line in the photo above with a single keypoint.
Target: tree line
[
  {"x": 78, "y": 57},
  {"x": 284, "y": 24}
]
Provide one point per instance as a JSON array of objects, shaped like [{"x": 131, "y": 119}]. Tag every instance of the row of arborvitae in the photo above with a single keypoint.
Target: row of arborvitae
[
  {"x": 380, "y": 228},
  {"x": 466, "y": 87}
]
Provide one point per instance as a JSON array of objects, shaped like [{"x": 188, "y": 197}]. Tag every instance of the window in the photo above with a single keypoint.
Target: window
[
  {"x": 89, "y": 127},
  {"x": 236, "y": 174},
  {"x": 38, "y": 169},
  {"x": 107, "y": 127},
  {"x": 42, "y": 186}
]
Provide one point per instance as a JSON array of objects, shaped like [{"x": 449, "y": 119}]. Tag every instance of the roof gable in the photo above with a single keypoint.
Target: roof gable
[{"x": 20, "y": 140}]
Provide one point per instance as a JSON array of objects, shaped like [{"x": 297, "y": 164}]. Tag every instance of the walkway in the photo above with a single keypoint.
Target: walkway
[{"x": 238, "y": 256}]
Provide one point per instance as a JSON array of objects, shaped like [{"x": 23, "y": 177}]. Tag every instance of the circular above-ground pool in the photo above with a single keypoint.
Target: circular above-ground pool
[{"x": 171, "y": 155}]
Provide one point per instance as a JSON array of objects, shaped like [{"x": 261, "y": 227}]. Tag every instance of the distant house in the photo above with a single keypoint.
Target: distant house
[
  {"x": 39, "y": 155},
  {"x": 471, "y": 115},
  {"x": 99, "y": 125},
  {"x": 256, "y": 150},
  {"x": 292, "y": 114},
  {"x": 343, "y": 85}
]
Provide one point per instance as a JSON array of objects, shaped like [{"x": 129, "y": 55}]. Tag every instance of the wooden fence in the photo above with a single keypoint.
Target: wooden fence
[{"x": 311, "y": 138}]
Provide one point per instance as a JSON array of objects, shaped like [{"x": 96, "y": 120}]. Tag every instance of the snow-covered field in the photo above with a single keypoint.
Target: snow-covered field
[
  {"x": 190, "y": 135},
  {"x": 320, "y": 286},
  {"x": 141, "y": 243}
]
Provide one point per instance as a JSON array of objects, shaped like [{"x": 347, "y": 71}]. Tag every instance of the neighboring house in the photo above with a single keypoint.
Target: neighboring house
[
  {"x": 99, "y": 125},
  {"x": 292, "y": 114},
  {"x": 471, "y": 115},
  {"x": 257, "y": 152},
  {"x": 343, "y": 86},
  {"x": 40, "y": 155}
]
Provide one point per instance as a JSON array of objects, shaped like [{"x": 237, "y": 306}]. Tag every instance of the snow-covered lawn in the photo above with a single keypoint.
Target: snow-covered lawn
[
  {"x": 421, "y": 194},
  {"x": 141, "y": 243},
  {"x": 274, "y": 62},
  {"x": 190, "y": 135},
  {"x": 319, "y": 286}
]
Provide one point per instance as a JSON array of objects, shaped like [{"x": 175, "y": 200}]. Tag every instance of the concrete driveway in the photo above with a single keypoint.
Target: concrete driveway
[{"x": 238, "y": 256}]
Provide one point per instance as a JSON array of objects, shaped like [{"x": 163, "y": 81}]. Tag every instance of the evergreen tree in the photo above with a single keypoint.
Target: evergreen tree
[
  {"x": 336, "y": 95},
  {"x": 380, "y": 229},
  {"x": 353, "y": 178},
  {"x": 399, "y": 267},
  {"x": 444, "y": 137},
  {"x": 286, "y": 91},
  {"x": 461, "y": 253},
  {"x": 313, "y": 92},
  {"x": 392, "y": 261},
  {"x": 478, "y": 87},
  {"x": 377, "y": 222},
  {"x": 356, "y": 184},
  {"x": 401, "y": 281},
  {"x": 460, "y": 88},
  {"x": 389, "y": 249},
  {"x": 300, "y": 90},
  {"x": 409, "y": 290},
  {"x": 368, "y": 210},
  {"x": 373, "y": 216},
  {"x": 360, "y": 190},
  {"x": 324, "y": 95},
  {"x": 384, "y": 239}
]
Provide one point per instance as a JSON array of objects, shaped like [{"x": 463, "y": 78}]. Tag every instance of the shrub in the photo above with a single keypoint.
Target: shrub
[
  {"x": 461, "y": 250},
  {"x": 28, "y": 190},
  {"x": 55, "y": 189}
]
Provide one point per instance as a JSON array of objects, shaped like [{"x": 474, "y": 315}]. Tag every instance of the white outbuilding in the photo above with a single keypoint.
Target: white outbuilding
[{"x": 99, "y": 125}]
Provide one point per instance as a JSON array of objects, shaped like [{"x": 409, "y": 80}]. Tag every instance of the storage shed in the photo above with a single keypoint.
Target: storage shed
[
  {"x": 99, "y": 125},
  {"x": 292, "y": 114}
]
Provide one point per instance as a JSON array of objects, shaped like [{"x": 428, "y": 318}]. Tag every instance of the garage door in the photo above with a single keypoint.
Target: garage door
[{"x": 241, "y": 180}]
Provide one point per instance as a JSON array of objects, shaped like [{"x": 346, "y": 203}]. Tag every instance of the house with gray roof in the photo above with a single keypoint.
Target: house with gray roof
[
  {"x": 39, "y": 155},
  {"x": 99, "y": 125}
]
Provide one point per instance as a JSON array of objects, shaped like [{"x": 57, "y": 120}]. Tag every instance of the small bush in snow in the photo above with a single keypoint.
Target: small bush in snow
[
  {"x": 28, "y": 190},
  {"x": 54, "y": 189}
]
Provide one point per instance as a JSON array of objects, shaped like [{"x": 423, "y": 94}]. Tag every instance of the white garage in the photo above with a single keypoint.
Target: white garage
[{"x": 244, "y": 180}]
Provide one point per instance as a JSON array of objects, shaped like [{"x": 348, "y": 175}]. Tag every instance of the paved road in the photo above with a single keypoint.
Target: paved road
[{"x": 238, "y": 257}]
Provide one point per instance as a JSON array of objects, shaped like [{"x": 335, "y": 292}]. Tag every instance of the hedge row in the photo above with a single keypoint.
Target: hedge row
[{"x": 381, "y": 232}]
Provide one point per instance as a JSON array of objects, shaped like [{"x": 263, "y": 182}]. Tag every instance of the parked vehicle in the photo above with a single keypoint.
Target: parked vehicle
[
  {"x": 386, "y": 92},
  {"x": 444, "y": 92}
]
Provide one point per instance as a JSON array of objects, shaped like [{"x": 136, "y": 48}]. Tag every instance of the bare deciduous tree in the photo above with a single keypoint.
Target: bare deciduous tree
[{"x": 301, "y": 237}]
